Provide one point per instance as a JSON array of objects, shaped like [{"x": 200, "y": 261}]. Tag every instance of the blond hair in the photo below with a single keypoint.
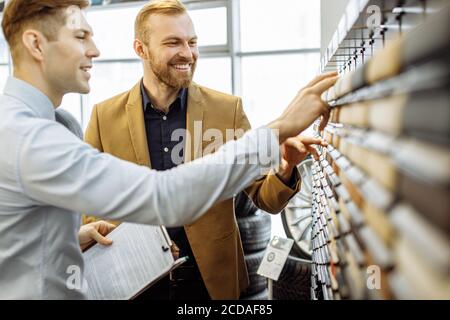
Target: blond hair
[{"x": 162, "y": 7}]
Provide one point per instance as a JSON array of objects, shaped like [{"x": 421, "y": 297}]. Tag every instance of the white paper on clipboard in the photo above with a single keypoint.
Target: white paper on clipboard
[{"x": 139, "y": 256}]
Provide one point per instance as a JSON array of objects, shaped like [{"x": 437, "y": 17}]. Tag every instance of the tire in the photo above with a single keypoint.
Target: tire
[
  {"x": 300, "y": 232},
  {"x": 295, "y": 280},
  {"x": 297, "y": 216},
  {"x": 255, "y": 231},
  {"x": 263, "y": 295},
  {"x": 243, "y": 205},
  {"x": 257, "y": 282}
]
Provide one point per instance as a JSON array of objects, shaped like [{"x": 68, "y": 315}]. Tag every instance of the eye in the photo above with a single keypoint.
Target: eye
[{"x": 81, "y": 36}]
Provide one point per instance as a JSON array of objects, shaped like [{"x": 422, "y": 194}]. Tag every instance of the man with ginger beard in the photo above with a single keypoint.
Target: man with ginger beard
[{"x": 161, "y": 123}]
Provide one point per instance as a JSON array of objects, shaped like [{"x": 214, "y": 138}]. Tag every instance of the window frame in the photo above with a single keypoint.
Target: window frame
[{"x": 231, "y": 50}]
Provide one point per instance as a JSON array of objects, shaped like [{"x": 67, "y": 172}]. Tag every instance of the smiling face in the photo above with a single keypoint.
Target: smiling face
[
  {"x": 68, "y": 59},
  {"x": 171, "y": 49}
]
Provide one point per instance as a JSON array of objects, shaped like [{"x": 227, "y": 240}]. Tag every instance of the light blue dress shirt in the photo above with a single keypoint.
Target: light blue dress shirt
[{"x": 47, "y": 176}]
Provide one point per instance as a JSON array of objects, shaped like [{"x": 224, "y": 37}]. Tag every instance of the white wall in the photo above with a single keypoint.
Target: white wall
[{"x": 331, "y": 13}]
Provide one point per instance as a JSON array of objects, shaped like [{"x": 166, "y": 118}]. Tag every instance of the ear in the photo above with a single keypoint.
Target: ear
[
  {"x": 34, "y": 41},
  {"x": 140, "y": 49}
]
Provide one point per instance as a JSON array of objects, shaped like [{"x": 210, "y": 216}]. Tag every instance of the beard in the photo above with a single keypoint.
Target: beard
[{"x": 168, "y": 75}]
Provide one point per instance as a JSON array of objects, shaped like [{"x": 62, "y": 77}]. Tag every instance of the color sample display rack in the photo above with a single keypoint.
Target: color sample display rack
[{"x": 380, "y": 216}]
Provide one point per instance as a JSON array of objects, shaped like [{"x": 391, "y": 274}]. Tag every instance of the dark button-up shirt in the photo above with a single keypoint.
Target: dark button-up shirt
[{"x": 167, "y": 152}]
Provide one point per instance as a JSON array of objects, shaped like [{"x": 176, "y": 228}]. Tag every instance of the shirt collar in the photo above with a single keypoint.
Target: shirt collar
[
  {"x": 182, "y": 95},
  {"x": 35, "y": 99}
]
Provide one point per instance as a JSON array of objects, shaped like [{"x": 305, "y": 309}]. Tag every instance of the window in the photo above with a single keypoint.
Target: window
[
  {"x": 114, "y": 31},
  {"x": 4, "y": 72},
  {"x": 270, "y": 82},
  {"x": 110, "y": 79},
  {"x": 210, "y": 26},
  {"x": 72, "y": 103},
  {"x": 3, "y": 49},
  {"x": 279, "y": 25},
  {"x": 4, "y": 68},
  {"x": 214, "y": 73}
]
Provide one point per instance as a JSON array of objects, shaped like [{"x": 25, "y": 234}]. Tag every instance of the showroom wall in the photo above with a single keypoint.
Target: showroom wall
[{"x": 331, "y": 12}]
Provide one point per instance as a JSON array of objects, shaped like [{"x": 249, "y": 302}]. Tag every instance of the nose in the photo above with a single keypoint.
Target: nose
[
  {"x": 93, "y": 51},
  {"x": 186, "y": 52}
]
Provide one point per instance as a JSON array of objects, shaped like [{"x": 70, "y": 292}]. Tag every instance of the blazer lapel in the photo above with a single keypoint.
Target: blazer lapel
[
  {"x": 194, "y": 123},
  {"x": 136, "y": 125}
]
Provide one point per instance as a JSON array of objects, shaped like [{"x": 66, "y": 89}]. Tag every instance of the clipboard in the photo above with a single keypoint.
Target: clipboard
[
  {"x": 139, "y": 257},
  {"x": 176, "y": 264}
]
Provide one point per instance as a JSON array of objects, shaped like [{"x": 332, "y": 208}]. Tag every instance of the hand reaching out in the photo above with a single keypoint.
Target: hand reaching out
[{"x": 294, "y": 150}]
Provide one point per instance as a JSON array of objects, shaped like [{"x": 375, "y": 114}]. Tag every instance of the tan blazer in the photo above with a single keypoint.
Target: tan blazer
[{"x": 117, "y": 127}]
